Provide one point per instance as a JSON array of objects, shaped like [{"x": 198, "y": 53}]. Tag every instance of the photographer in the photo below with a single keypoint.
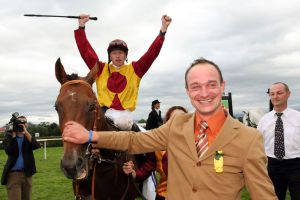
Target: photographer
[{"x": 20, "y": 165}]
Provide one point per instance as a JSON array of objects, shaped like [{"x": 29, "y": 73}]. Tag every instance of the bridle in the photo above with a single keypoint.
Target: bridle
[
  {"x": 97, "y": 157},
  {"x": 84, "y": 83}
]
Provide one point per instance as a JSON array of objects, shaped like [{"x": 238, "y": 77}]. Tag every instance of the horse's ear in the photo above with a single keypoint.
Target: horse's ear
[
  {"x": 60, "y": 73},
  {"x": 91, "y": 76}
]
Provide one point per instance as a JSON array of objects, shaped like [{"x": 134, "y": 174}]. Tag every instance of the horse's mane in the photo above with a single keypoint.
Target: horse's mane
[{"x": 73, "y": 76}]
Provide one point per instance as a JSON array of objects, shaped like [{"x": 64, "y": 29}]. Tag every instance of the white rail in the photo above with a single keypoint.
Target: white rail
[{"x": 45, "y": 144}]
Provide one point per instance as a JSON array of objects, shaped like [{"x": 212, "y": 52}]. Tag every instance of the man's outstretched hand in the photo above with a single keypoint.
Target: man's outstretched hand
[{"x": 75, "y": 133}]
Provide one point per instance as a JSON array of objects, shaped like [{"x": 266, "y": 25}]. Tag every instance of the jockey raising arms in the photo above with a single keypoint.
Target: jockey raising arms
[{"x": 118, "y": 82}]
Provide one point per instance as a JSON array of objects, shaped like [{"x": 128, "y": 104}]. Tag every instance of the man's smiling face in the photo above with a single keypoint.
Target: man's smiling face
[{"x": 205, "y": 89}]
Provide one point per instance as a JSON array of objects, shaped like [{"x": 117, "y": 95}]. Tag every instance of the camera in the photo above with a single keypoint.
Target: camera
[{"x": 15, "y": 123}]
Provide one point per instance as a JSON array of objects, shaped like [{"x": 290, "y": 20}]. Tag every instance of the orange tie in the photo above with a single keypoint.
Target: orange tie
[{"x": 201, "y": 139}]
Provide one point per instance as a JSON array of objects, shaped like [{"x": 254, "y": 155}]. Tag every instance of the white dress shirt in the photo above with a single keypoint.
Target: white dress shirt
[
  {"x": 157, "y": 110},
  {"x": 291, "y": 126}
]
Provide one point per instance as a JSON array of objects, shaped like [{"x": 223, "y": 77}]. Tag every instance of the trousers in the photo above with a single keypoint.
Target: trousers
[
  {"x": 18, "y": 186},
  {"x": 285, "y": 174}
]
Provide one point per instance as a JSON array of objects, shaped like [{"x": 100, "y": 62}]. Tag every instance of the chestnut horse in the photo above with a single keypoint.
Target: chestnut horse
[{"x": 95, "y": 176}]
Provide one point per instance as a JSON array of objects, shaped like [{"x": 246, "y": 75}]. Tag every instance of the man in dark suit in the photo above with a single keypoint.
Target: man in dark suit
[
  {"x": 154, "y": 119},
  {"x": 20, "y": 165}
]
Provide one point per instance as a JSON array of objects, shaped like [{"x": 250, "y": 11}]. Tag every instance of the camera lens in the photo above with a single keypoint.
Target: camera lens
[{"x": 15, "y": 114}]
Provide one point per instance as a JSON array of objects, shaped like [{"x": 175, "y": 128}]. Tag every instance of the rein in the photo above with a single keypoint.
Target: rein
[{"x": 99, "y": 160}]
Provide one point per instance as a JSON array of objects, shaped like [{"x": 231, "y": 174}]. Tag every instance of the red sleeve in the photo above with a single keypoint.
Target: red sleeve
[
  {"x": 144, "y": 63},
  {"x": 86, "y": 50},
  {"x": 148, "y": 166}
]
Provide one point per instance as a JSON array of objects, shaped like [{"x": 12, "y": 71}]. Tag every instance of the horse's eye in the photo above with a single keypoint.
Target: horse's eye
[{"x": 92, "y": 106}]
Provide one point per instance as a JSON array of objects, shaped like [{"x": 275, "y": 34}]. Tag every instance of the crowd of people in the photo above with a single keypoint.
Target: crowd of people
[{"x": 204, "y": 154}]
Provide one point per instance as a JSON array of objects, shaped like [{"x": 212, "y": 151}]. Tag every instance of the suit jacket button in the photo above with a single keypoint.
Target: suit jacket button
[{"x": 199, "y": 164}]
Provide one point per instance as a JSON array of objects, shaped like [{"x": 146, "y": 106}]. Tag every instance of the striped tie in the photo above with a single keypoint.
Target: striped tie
[{"x": 201, "y": 140}]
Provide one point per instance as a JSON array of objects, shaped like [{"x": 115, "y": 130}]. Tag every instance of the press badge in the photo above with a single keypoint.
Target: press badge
[{"x": 218, "y": 161}]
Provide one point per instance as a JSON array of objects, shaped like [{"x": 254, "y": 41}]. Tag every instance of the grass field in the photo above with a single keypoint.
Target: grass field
[{"x": 49, "y": 183}]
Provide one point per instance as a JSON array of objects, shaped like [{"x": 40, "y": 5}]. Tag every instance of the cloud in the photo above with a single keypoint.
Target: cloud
[{"x": 255, "y": 43}]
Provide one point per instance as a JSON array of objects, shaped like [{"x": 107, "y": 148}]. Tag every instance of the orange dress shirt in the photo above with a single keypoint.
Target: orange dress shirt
[{"x": 215, "y": 123}]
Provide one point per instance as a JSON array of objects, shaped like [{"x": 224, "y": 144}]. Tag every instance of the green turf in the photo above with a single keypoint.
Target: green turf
[{"x": 49, "y": 183}]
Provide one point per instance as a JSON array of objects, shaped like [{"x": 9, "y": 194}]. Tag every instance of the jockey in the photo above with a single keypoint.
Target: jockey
[{"x": 118, "y": 82}]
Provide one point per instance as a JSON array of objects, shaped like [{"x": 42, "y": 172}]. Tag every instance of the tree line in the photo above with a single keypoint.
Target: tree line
[{"x": 45, "y": 130}]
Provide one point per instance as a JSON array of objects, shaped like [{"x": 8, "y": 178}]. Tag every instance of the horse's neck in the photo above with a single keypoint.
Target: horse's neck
[{"x": 105, "y": 124}]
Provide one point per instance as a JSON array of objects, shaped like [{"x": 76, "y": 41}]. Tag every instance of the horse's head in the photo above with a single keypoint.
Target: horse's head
[
  {"x": 77, "y": 102},
  {"x": 252, "y": 117}
]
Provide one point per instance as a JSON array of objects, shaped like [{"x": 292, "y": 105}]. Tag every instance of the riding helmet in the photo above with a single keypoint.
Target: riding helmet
[{"x": 117, "y": 44}]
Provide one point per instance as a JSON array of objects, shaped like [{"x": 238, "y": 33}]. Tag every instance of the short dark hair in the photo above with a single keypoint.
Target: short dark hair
[
  {"x": 203, "y": 61},
  {"x": 23, "y": 119}
]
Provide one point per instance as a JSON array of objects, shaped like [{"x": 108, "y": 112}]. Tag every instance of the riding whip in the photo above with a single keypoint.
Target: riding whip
[{"x": 61, "y": 16}]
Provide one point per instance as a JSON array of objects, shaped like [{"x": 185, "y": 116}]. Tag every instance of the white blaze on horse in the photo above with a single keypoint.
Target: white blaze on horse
[{"x": 252, "y": 116}]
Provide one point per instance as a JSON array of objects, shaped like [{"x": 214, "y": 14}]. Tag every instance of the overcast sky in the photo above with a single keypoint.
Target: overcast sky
[{"x": 255, "y": 43}]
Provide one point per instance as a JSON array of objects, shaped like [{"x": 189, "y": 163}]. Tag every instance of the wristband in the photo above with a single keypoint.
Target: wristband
[
  {"x": 162, "y": 33},
  {"x": 90, "y": 136}
]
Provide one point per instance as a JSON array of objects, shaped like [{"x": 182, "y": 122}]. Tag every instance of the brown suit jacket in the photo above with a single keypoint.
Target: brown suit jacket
[{"x": 192, "y": 178}]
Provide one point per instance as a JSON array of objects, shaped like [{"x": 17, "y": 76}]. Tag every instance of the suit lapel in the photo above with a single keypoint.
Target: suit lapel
[
  {"x": 227, "y": 133},
  {"x": 189, "y": 136}
]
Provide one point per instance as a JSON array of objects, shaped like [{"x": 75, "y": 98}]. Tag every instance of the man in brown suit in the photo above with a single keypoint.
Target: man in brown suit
[{"x": 204, "y": 163}]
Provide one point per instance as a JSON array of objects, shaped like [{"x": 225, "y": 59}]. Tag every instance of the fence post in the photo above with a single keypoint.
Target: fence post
[{"x": 45, "y": 149}]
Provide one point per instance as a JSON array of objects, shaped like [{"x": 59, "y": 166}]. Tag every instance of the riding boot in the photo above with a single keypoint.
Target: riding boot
[{"x": 135, "y": 128}]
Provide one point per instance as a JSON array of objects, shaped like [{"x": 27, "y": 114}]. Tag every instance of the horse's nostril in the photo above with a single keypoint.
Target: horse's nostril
[
  {"x": 69, "y": 170},
  {"x": 79, "y": 163}
]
